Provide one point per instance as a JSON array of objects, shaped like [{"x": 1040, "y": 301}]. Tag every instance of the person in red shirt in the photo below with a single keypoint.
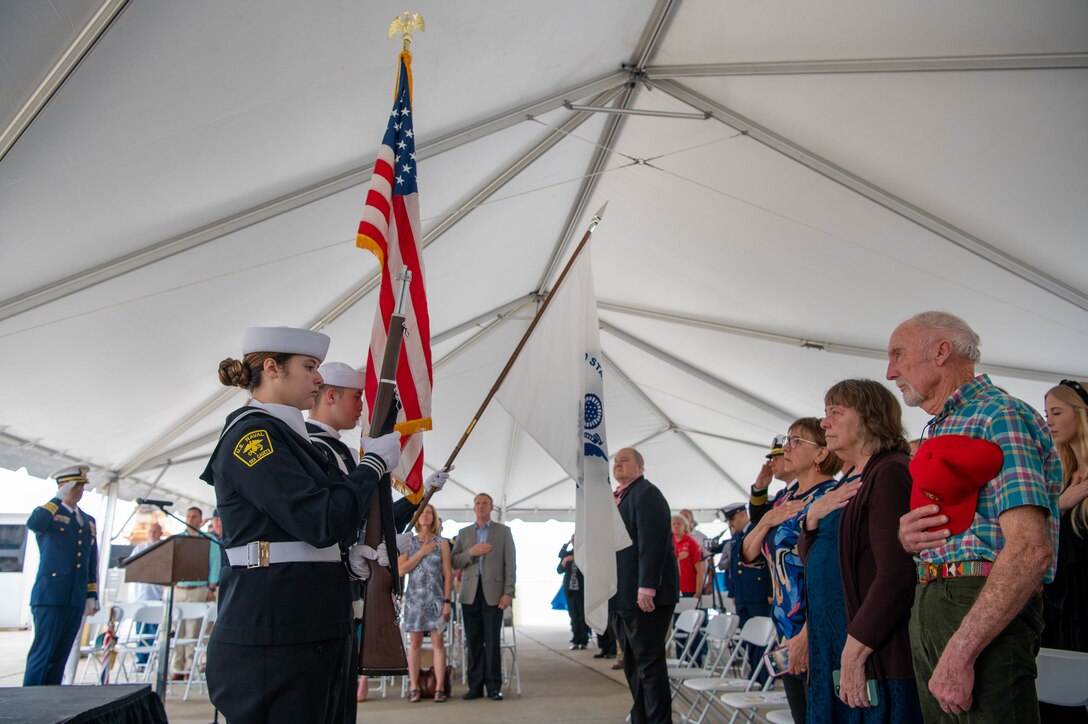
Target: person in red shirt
[{"x": 689, "y": 556}]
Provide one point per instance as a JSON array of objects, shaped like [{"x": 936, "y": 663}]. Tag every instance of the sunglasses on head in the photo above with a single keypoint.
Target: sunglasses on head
[{"x": 1076, "y": 387}]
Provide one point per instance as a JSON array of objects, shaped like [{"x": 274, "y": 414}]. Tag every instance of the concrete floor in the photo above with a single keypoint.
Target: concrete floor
[{"x": 557, "y": 686}]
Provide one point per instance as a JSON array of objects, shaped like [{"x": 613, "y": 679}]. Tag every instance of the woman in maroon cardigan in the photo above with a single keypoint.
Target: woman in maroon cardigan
[{"x": 863, "y": 422}]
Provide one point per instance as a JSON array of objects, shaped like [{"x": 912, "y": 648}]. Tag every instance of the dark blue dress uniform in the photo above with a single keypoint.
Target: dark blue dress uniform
[
  {"x": 336, "y": 449},
  {"x": 342, "y": 456},
  {"x": 749, "y": 584},
  {"x": 282, "y": 643},
  {"x": 67, "y": 577}
]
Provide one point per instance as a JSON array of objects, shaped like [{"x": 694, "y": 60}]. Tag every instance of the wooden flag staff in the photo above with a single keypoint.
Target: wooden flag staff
[{"x": 513, "y": 358}]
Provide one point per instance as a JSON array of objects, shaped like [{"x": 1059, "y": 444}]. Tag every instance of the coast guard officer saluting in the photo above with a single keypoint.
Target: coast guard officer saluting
[
  {"x": 67, "y": 584},
  {"x": 282, "y": 642}
]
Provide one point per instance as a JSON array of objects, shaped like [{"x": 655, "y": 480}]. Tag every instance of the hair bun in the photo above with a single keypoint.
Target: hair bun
[{"x": 233, "y": 373}]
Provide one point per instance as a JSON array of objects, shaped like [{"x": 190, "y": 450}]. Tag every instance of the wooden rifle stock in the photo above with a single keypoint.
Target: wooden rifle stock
[{"x": 381, "y": 647}]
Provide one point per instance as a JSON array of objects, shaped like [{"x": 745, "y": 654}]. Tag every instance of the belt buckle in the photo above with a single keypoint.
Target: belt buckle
[
  {"x": 257, "y": 554},
  {"x": 932, "y": 571}
]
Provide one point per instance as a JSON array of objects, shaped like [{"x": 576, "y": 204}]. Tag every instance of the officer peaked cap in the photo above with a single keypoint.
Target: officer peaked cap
[{"x": 71, "y": 474}]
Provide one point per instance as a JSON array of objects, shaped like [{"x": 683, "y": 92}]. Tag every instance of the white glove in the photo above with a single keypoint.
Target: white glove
[
  {"x": 91, "y": 607},
  {"x": 437, "y": 480},
  {"x": 359, "y": 554},
  {"x": 64, "y": 490},
  {"x": 387, "y": 447},
  {"x": 382, "y": 554}
]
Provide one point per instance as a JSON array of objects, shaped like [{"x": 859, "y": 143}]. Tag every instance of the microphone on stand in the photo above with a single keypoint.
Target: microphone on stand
[{"x": 159, "y": 503}]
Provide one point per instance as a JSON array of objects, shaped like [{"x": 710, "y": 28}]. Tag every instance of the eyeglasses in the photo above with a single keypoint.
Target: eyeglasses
[{"x": 794, "y": 440}]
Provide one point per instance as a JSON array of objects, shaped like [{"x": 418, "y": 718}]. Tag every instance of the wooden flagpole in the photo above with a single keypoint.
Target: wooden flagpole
[{"x": 513, "y": 358}]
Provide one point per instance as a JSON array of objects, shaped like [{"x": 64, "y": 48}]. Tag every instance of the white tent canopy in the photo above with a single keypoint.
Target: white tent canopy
[{"x": 786, "y": 181}]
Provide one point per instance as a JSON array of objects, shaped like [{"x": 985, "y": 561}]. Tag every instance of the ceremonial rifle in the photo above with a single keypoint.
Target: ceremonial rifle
[{"x": 381, "y": 647}]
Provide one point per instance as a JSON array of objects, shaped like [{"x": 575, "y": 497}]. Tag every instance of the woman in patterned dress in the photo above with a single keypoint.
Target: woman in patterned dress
[
  {"x": 427, "y": 604},
  {"x": 808, "y": 461}
]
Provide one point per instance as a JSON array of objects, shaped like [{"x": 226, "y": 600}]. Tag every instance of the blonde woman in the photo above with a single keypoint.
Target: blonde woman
[
  {"x": 1065, "y": 609},
  {"x": 427, "y": 606}
]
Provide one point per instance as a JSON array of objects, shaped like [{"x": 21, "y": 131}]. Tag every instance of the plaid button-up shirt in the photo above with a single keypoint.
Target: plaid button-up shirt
[{"x": 1030, "y": 475}]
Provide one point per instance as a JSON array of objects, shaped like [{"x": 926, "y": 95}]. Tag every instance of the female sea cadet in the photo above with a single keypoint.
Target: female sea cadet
[{"x": 282, "y": 642}]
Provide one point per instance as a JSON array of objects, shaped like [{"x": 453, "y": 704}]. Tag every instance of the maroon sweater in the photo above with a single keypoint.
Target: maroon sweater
[{"x": 878, "y": 576}]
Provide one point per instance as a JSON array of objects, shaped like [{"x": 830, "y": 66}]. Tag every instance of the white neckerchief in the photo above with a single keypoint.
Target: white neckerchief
[{"x": 292, "y": 416}]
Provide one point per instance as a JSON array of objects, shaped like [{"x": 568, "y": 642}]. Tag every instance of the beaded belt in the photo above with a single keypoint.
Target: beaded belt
[{"x": 956, "y": 569}]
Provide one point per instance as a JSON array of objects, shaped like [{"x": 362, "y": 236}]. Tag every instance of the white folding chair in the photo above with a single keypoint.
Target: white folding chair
[
  {"x": 97, "y": 625},
  {"x": 717, "y": 635},
  {"x": 139, "y": 642},
  {"x": 1062, "y": 678},
  {"x": 200, "y": 649},
  {"x": 687, "y": 624},
  {"x": 753, "y": 701},
  {"x": 779, "y": 716},
  {"x": 509, "y": 648},
  {"x": 187, "y": 611},
  {"x": 758, "y": 631}
]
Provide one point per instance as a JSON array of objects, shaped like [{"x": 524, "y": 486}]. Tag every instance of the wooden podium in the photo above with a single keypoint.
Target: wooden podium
[{"x": 177, "y": 558}]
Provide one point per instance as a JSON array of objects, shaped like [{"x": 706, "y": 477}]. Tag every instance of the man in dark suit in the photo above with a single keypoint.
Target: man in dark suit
[
  {"x": 66, "y": 588},
  {"x": 648, "y": 587}
]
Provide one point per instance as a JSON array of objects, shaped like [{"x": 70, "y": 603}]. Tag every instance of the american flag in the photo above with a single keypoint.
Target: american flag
[{"x": 390, "y": 229}]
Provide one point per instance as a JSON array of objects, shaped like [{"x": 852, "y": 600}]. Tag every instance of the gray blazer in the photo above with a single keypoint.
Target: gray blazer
[{"x": 499, "y": 569}]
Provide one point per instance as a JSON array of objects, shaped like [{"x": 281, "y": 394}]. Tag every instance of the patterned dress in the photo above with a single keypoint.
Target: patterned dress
[{"x": 423, "y": 595}]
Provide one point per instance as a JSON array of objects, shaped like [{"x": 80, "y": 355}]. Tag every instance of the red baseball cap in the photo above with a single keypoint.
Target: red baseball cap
[{"x": 949, "y": 470}]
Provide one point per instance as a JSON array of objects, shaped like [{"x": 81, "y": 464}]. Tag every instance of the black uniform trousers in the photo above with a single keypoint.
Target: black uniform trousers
[
  {"x": 643, "y": 639},
  {"x": 576, "y": 609},
  {"x": 482, "y": 627},
  {"x": 55, "y": 628},
  {"x": 289, "y": 683}
]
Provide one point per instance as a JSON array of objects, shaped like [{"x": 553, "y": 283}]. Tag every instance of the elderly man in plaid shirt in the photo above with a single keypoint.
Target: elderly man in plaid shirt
[{"x": 977, "y": 618}]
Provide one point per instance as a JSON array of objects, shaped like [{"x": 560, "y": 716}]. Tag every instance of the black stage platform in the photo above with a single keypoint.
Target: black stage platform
[{"x": 118, "y": 704}]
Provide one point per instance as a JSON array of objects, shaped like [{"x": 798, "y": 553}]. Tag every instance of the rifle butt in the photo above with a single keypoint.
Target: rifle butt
[{"x": 381, "y": 646}]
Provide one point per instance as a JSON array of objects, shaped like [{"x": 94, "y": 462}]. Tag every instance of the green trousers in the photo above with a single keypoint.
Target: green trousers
[{"x": 1005, "y": 671}]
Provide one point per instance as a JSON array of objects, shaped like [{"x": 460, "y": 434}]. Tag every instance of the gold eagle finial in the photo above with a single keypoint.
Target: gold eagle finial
[{"x": 406, "y": 23}]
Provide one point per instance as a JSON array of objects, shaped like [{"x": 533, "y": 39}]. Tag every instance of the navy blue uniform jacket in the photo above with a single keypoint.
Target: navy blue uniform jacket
[
  {"x": 68, "y": 574},
  {"x": 272, "y": 484}
]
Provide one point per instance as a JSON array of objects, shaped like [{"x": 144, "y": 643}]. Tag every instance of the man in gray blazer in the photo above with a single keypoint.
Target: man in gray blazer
[{"x": 484, "y": 551}]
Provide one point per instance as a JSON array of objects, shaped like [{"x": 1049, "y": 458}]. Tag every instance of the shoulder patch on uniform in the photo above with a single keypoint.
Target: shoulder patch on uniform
[{"x": 253, "y": 447}]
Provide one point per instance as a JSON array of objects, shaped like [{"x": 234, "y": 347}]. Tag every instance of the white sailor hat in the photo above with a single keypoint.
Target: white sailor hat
[
  {"x": 287, "y": 340},
  {"x": 339, "y": 374},
  {"x": 71, "y": 474}
]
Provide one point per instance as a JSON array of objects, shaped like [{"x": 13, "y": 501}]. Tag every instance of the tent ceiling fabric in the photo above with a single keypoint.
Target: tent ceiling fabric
[{"x": 202, "y": 169}]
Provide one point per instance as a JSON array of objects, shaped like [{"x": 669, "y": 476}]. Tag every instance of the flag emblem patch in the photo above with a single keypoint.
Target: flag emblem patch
[{"x": 253, "y": 447}]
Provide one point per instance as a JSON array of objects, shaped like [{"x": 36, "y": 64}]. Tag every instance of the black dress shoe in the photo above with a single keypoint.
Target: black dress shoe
[
  {"x": 603, "y": 655},
  {"x": 572, "y": 647},
  {"x": 471, "y": 695},
  {"x": 495, "y": 696}
]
